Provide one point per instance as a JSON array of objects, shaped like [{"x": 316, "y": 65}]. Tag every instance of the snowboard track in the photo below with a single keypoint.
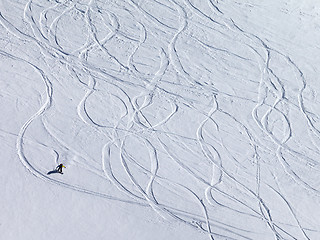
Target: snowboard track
[{"x": 122, "y": 79}]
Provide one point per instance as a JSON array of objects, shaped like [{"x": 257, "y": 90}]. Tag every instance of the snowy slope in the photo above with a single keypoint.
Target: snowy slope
[{"x": 176, "y": 119}]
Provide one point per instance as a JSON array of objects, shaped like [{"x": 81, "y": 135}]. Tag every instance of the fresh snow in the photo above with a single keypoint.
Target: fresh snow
[{"x": 175, "y": 119}]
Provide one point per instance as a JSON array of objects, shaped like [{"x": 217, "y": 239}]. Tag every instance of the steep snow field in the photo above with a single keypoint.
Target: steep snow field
[{"x": 176, "y": 119}]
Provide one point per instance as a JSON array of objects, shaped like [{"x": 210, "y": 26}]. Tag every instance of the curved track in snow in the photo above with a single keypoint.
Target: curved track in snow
[{"x": 182, "y": 106}]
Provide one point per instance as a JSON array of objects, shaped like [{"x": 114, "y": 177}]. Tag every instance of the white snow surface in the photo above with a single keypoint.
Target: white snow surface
[{"x": 175, "y": 119}]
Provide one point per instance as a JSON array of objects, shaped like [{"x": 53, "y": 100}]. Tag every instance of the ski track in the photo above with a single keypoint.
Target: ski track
[{"x": 151, "y": 137}]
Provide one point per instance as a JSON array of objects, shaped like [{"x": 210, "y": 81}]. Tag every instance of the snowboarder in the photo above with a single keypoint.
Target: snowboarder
[{"x": 59, "y": 168}]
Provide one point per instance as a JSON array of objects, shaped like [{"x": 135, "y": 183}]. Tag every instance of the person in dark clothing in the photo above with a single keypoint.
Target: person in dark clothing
[{"x": 59, "y": 168}]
